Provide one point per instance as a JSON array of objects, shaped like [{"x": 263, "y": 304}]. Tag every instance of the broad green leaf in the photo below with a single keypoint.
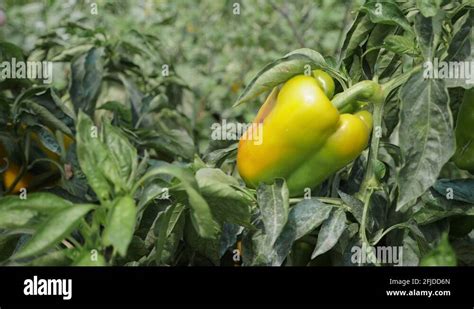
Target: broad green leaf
[
  {"x": 357, "y": 35},
  {"x": 229, "y": 236},
  {"x": 208, "y": 247},
  {"x": 47, "y": 139},
  {"x": 356, "y": 206},
  {"x": 97, "y": 165},
  {"x": 457, "y": 189},
  {"x": 217, "y": 157},
  {"x": 67, "y": 54},
  {"x": 15, "y": 218},
  {"x": 121, "y": 151},
  {"x": 434, "y": 207},
  {"x": 53, "y": 230},
  {"x": 411, "y": 251},
  {"x": 386, "y": 12},
  {"x": 120, "y": 225},
  {"x": 134, "y": 96},
  {"x": 41, "y": 202},
  {"x": 201, "y": 215},
  {"x": 59, "y": 117},
  {"x": 48, "y": 117},
  {"x": 303, "y": 218},
  {"x": 460, "y": 47},
  {"x": 428, "y": 8},
  {"x": 330, "y": 232},
  {"x": 86, "y": 79},
  {"x": 53, "y": 258},
  {"x": 273, "y": 201},
  {"x": 374, "y": 54},
  {"x": 401, "y": 45},
  {"x": 279, "y": 71},
  {"x": 308, "y": 215},
  {"x": 168, "y": 231},
  {"x": 256, "y": 249},
  {"x": 428, "y": 31},
  {"x": 227, "y": 203},
  {"x": 426, "y": 135}
]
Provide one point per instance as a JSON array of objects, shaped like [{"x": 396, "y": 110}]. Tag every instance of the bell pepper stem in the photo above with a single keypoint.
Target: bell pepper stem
[
  {"x": 371, "y": 91},
  {"x": 364, "y": 90}
]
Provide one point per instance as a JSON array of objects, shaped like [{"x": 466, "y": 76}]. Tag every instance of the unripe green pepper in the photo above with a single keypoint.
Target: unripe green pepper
[
  {"x": 464, "y": 156},
  {"x": 325, "y": 82},
  {"x": 304, "y": 137}
]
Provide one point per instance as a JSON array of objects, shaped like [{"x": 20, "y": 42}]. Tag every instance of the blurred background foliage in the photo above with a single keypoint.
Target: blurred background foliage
[{"x": 212, "y": 49}]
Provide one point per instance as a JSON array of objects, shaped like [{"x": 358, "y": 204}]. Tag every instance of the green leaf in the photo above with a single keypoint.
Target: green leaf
[
  {"x": 208, "y": 247},
  {"x": 54, "y": 258},
  {"x": 217, "y": 157},
  {"x": 273, "y": 201},
  {"x": 123, "y": 112},
  {"x": 168, "y": 230},
  {"x": 356, "y": 206},
  {"x": 428, "y": 32},
  {"x": 67, "y": 54},
  {"x": 428, "y": 8},
  {"x": 53, "y": 230},
  {"x": 86, "y": 79},
  {"x": 279, "y": 71},
  {"x": 15, "y": 218},
  {"x": 401, "y": 45},
  {"x": 433, "y": 207},
  {"x": 426, "y": 135},
  {"x": 97, "y": 165},
  {"x": 386, "y": 12},
  {"x": 308, "y": 215},
  {"x": 303, "y": 218},
  {"x": 47, "y": 139},
  {"x": 357, "y": 36},
  {"x": 330, "y": 232},
  {"x": 460, "y": 47},
  {"x": 375, "y": 41},
  {"x": 48, "y": 117},
  {"x": 120, "y": 225},
  {"x": 442, "y": 255},
  {"x": 457, "y": 189},
  {"x": 201, "y": 215},
  {"x": 134, "y": 95},
  {"x": 41, "y": 202},
  {"x": 229, "y": 237},
  {"x": 16, "y": 212},
  {"x": 227, "y": 203},
  {"x": 59, "y": 117},
  {"x": 121, "y": 151}
]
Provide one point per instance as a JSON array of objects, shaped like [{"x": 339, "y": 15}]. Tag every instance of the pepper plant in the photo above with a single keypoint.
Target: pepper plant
[{"x": 364, "y": 150}]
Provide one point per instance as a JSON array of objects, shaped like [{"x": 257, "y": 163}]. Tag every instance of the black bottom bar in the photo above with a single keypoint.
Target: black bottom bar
[{"x": 199, "y": 285}]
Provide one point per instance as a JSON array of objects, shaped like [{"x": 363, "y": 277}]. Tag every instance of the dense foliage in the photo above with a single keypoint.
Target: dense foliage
[{"x": 115, "y": 163}]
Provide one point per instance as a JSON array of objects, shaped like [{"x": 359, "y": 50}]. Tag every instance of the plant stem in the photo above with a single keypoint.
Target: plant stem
[
  {"x": 370, "y": 183},
  {"x": 363, "y": 223},
  {"x": 393, "y": 227},
  {"x": 398, "y": 81},
  {"x": 364, "y": 90}
]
